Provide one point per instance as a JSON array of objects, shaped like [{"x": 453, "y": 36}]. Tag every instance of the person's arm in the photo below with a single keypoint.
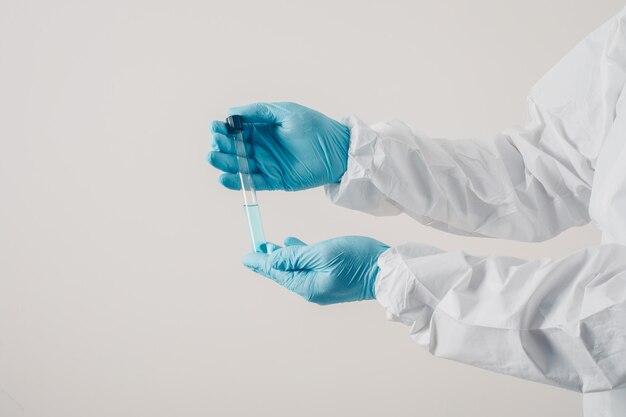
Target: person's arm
[
  {"x": 560, "y": 322},
  {"x": 556, "y": 321},
  {"x": 526, "y": 184}
]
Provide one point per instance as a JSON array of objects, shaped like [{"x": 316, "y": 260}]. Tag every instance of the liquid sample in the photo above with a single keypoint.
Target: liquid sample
[{"x": 256, "y": 227}]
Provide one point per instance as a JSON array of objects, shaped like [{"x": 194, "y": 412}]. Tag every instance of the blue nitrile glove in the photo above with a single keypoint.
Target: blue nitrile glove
[
  {"x": 333, "y": 271},
  {"x": 290, "y": 147}
]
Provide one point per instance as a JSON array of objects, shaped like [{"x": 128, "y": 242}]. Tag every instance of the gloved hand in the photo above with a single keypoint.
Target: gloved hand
[
  {"x": 333, "y": 271},
  {"x": 291, "y": 147}
]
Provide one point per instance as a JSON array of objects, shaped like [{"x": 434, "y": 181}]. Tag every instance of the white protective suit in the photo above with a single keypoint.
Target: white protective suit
[{"x": 556, "y": 321}]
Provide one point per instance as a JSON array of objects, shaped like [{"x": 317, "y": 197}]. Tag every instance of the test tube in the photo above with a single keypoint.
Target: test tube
[{"x": 250, "y": 203}]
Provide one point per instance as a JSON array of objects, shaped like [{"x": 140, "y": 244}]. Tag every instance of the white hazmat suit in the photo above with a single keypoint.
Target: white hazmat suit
[{"x": 556, "y": 321}]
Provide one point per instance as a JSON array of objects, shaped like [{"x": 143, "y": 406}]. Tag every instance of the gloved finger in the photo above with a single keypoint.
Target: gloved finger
[
  {"x": 232, "y": 181},
  {"x": 293, "y": 258},
  {"x": 218, "y": 126},
  {"x": 226, "y": 144},
  {"x": 259, "y": 263},
  {"x": 228, "y": 162},
  {"x": 293, "y": 241},
  {"x": 260, "y": 113}
]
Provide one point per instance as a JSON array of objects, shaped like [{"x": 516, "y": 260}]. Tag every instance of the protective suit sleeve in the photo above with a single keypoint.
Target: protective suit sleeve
[
  {"x": 560, "y": 322},
  {"x": 526, "y": 183}
]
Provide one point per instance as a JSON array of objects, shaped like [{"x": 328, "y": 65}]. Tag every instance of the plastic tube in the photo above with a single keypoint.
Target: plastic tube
[{"x": 250, "y": 202}]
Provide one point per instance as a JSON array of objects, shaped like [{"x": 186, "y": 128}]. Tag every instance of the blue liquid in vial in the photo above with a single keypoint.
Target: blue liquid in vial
[{"x": 256, "y": 228}]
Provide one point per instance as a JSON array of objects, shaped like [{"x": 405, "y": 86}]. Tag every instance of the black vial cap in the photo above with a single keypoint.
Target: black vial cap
[{"x": 234, "y": 124}]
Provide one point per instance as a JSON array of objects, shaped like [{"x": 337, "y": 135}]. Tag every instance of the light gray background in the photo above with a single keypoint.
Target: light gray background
[{"x": 121, "y": 289}]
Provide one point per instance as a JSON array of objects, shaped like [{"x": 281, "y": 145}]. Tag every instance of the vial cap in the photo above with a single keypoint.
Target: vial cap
[{"x": 234, "y": 123}]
